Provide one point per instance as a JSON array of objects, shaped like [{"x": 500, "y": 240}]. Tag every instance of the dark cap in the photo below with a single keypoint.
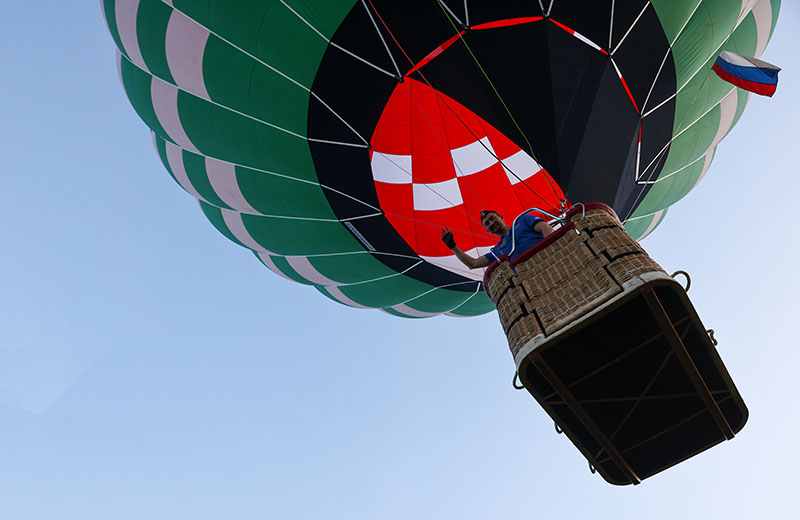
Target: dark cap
[{"x": 485, "y": 212}]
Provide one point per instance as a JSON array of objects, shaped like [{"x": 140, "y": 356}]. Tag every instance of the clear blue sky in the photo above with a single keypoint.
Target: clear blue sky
[{"x": 151, "y": 369}]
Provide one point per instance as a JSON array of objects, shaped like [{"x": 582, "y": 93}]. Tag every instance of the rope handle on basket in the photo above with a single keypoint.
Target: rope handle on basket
[
  {"x": 710, "y": 333},
  {"x": 514, "y": 382},
  {"x": 559, "y": 430},
  {"x": 592, "y": 469},
  {"x": 688, "y": 279}
]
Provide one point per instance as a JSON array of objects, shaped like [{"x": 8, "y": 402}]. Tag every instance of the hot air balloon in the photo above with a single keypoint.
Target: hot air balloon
[{"x": 335, "y": 139}]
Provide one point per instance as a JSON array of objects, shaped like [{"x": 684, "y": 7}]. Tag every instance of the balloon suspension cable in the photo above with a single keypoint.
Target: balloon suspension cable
[
  {"x": 489, "y": 81},
  {"x": 461, "y": 121},
  {"x": 444, "y": 102},
  {"x": 648, "y": 181},
  {"x": 505, "y": 106},
  {"x": 502, "y": 102},
  {"x": 440, "y": 100},
  {"x": 428, "y": 186}
]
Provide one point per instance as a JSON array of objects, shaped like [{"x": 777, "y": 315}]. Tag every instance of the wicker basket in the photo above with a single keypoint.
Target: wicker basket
[
  {"x": 612, "y": 349},
  {"x": 580, "y": 266}
]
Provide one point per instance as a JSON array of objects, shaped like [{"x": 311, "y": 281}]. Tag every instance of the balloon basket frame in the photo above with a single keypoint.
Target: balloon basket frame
[{"x": 612, "y": 349}]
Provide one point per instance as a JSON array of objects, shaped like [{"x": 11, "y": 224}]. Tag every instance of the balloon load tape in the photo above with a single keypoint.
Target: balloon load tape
[{"x": 612, "y": 348}]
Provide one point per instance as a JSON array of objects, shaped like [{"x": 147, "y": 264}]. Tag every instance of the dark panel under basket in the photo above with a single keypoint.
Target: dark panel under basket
[{"x": 638, "y": 385}]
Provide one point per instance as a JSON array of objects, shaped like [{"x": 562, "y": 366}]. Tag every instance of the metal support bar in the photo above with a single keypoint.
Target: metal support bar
[
  {"x": 641, "y": 395},
  {"x": 661, "y": 433},
  {"x": 585, "y": 418},
  {"x": 637, "y": 398},
  {"x": 660, "y": 314},
  {"x": 601, "y": 368}
]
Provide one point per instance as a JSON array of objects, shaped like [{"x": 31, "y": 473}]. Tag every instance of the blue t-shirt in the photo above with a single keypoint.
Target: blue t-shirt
[{"x": 524, "y": 238}]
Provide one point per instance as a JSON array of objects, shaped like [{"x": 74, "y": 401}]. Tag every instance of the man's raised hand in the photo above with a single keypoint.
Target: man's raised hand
[{"x": 447, "y": 238}]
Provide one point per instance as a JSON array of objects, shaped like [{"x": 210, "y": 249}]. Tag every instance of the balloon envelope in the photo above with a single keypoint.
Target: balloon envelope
[{"x": 334, "y": 139}]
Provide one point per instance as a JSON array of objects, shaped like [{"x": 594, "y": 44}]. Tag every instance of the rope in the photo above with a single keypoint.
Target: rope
[
  {"x": 664, "y": 149},
  {"x": 439, "y": 96},
  {"x": 491, "y": 84},
  {"x": 444, "y": 102},
  {"x": 502, "y": 102},
  {"x": 508, "y": 111},
  {"x": 680, "y": 89}
]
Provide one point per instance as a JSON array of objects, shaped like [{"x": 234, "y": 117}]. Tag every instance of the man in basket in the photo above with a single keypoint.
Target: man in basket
[{"x": 527, "y": 232}]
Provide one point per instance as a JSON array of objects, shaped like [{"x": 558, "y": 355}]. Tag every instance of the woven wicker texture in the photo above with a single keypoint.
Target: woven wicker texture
[
  {"x": 614, "y": 242},
  {"x": 575, "y": 296},
  {"x": 500, "y": 280},
  {"x": 567, "y": 279},
  {"x": 522, "y": 331},
  {"x": 570, "y": 260},
  {"x": 593, "y": 219},
  {"x": 509, "y": 305},
  {"x": 556, "y": 253},
  {"x": 627, "y": 267}
]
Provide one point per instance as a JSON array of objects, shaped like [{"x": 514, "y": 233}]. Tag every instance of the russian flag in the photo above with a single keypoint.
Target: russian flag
[{"x": 747, "y": 73}]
